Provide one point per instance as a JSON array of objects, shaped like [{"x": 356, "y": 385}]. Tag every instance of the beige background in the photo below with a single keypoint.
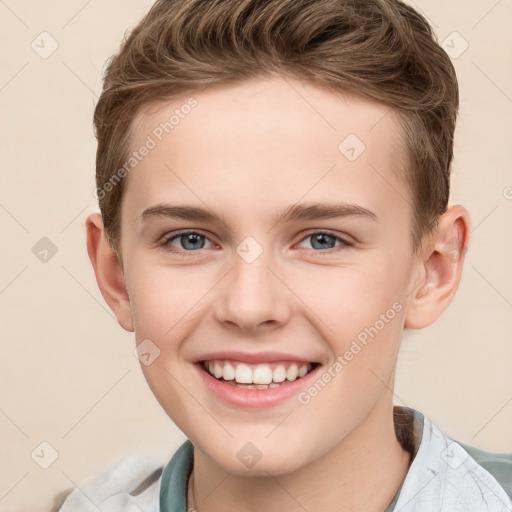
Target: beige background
[{"x": 67, "y": 372}]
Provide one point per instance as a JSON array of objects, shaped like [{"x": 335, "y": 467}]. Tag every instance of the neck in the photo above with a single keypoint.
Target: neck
[{"x": 363, "y": 472}]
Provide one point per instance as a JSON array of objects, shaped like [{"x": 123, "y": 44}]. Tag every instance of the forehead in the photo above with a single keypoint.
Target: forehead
[
  {"x": 260, "y": 106},
  {"x": 270, "y": 140}
]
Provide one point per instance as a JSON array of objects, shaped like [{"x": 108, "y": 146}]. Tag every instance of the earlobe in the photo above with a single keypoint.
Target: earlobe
[
  {"x": 108, "y": 271},
  {"x": 441, "y": 269}
]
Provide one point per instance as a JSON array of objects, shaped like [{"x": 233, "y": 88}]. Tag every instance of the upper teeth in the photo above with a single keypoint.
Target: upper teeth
[{"x": 259, "y": 374}]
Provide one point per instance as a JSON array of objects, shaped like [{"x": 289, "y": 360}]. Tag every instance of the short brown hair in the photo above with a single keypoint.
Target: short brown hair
[{"x": 383, "y": 50}]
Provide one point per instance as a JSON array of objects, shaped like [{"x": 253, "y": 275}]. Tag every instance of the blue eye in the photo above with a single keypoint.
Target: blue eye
[
  {"x": 324, "y": 241},
  {"x": 189, "y": 240}
]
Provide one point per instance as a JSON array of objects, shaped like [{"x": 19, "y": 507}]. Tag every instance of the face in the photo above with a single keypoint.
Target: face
[{"x": 269, "y": 230}]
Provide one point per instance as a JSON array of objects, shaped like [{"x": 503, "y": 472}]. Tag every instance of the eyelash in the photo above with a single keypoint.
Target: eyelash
[{"x": 165, "y": 243}]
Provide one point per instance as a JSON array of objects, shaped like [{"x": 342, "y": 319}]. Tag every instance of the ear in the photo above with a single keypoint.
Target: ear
[
  {"x": 441, "y": 262},
  {"x": 108, "y": 270}
]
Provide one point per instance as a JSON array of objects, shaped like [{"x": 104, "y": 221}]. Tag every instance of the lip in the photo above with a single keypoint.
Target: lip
[
  {"x": 254, "y": 398},
  {"x": 257, "y": 357}
]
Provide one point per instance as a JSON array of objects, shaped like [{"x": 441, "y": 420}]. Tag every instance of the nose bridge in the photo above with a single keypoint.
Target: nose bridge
[{"x": 251, "y": 296}]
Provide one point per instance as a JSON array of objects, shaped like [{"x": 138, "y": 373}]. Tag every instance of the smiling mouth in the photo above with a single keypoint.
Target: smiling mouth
[{"x": 256, "y": 376}]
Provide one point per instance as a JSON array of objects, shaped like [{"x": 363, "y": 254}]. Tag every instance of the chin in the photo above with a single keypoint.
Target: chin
[{"x": 247, "y": 458}]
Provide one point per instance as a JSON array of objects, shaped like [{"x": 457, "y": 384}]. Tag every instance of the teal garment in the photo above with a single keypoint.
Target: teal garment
[{"x": 174, "y": 481}]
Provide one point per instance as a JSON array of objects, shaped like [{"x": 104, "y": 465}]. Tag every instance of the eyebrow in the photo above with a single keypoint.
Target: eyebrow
[{"x": 307, "y": 211}]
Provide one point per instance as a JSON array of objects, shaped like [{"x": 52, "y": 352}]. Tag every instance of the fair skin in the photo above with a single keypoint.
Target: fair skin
[{"x": 247, "y": 151}]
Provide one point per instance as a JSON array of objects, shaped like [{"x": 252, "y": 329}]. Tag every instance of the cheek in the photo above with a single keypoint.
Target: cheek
[
  {"x": 164, "y": 314},
  {"x": 168, "y": 305},
  {"x": 346, "y": 299},
  {"x": 360, "y": 313},
  {"x": 163, "y": 300}
]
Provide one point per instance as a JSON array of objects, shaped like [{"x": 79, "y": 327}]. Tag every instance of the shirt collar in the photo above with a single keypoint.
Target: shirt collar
[{"x": 174, "y": 481}]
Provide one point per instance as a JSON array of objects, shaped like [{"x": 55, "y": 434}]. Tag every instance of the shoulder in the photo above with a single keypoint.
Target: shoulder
[
  {"x": 129, "y": 484},
  {"x": 450, "y": 477},
  {"x": 469, "y": 485},
  {"x": 499, "y": 465}
]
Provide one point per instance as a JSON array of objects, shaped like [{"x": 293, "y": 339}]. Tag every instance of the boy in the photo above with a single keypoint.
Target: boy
[{"x": 235, "y": 139}]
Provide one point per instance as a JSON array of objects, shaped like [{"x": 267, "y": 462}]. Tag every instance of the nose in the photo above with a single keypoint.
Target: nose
[{"x": 251, "y": 298}]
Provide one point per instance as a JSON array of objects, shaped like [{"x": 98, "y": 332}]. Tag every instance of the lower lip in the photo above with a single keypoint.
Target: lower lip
[{"x": 254, "y": 398}]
